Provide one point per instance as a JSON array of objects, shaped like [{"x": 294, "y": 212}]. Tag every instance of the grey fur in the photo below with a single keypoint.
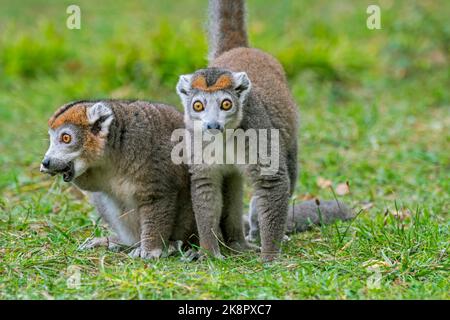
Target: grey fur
[
  {"x": 268, "y": 105},
  {"x": 132, "y": 182}
]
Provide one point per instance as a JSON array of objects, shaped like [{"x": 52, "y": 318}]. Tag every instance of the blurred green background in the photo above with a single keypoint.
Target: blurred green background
[{"x": 374, "y": 111}]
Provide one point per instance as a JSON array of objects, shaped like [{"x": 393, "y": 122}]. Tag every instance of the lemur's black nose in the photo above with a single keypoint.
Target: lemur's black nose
[
  {"x": 214, "y": 125},
  {"x": 46, "y": 163}
]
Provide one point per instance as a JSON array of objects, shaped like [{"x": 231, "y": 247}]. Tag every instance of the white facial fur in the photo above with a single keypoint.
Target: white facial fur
[
  {"x": 62, "y": 153},
  {"x": 212, "y": 114}
]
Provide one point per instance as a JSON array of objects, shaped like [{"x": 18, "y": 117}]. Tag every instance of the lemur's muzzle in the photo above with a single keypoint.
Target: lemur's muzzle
[
  {"x": 214, "y": 126},
  {"x": 53, "y": 167}
]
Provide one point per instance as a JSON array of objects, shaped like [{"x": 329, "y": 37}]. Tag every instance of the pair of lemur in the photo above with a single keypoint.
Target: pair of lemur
[{"x": 119, "y": 152}]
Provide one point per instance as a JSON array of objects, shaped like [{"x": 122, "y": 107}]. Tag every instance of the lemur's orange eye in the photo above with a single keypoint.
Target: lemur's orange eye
[
  {"x": 226, "y": 104},
  {"x": 198, "y": 106},
  {"x": 66, "y": 138}
]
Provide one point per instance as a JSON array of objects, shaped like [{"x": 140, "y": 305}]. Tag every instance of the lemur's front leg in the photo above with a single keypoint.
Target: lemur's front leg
[
  {"x": 156, "y": 221},
  {"x": 272, "y": 192},
  {"x": 231, "y": 223},
  {"x": 207, "y": 202}
]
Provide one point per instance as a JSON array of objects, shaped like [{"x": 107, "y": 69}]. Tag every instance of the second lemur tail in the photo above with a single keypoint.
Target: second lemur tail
[{"x": 226, "y": 26}]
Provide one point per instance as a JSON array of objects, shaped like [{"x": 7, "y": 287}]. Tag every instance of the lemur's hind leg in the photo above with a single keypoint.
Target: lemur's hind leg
[
  {"x": 232, "y": 224},
  {"x": 156, "y": 219},
  {"x": 253, "y": 223},
  {"x": 272, "y": 192},
  {"x": 292, "y": 170}
]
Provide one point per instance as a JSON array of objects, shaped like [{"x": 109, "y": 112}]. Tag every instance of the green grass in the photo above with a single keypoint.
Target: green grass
[{"x": 374, "y": 112}]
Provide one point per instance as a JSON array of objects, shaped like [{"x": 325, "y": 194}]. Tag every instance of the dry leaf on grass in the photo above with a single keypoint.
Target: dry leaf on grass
[
  {"x": 342, "y": 189},
  {"x": 323, "y": 183}
]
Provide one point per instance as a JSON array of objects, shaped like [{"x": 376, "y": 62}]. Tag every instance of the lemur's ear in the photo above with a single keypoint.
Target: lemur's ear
[
  {"x": 242, "y": 84},
  {"x": 100, "y": 117},
  {"x": 184, "y": 87}
]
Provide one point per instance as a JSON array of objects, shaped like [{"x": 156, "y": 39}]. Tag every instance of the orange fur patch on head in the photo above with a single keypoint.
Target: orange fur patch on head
[
  {"x": 224, "y": 82},
  {"x": 199, "y": 83},
  {"x": 74, "y": 115}
]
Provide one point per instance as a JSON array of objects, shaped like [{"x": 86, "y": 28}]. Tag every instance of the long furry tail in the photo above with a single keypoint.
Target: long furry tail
[
  {"x": 227, "y": 28},
  {"x": 302, "y": 216}
]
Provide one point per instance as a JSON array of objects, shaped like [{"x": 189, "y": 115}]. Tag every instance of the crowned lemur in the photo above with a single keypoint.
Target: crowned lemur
[
  {"x": 119, "y": 152},
  {"x": 243, "y": 88}
]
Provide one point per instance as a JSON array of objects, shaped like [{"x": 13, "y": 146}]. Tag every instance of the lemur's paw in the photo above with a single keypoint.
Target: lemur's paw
[
  {"x": 243, "y": 246},
  {"x": 91, "y": 243},
  {"x": 199, "y": 255},
  {"x": 146, "y": 254},
  {"x": 135, "y": 253},
  {"x": 108, "y": 242},
  {"x": 173, "y": 248},
  {"x": 192, "y": 255}
]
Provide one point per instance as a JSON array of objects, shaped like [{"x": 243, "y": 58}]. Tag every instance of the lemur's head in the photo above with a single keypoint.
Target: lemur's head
[
  {"x": 214, "y": 96},
  {"x": 78, "y": 133}
]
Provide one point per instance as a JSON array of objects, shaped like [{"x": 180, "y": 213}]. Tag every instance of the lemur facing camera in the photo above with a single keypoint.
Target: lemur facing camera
[
  {"x": 242, "y": 88},
  {"x": 119, "y": 152}
]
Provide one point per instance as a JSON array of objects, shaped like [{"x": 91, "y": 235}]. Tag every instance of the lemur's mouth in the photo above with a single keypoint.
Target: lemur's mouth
[
  {"x": 68, "y": 172},
  {"x": 214, "y": 131}
]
